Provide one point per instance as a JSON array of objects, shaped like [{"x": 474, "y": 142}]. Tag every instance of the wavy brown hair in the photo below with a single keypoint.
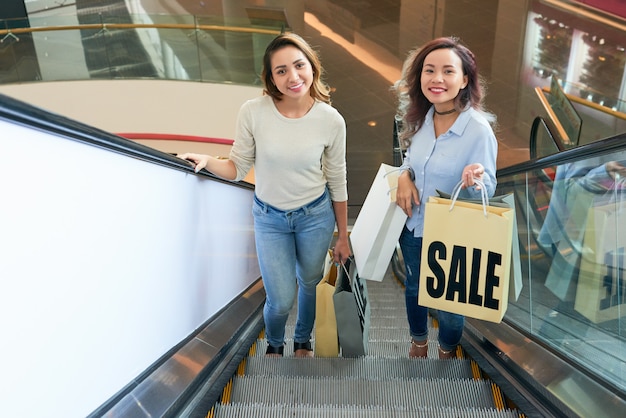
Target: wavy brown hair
[
  {"x": 319, "y": 90},
  {"x": 413, "y": 105}
]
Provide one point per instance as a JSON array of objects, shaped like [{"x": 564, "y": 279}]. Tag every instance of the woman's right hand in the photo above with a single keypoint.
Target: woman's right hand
[
  {"x": 406, "y": 194},
  {"x": 615, "y": 170},
  {"x": 199, "y": 160}
]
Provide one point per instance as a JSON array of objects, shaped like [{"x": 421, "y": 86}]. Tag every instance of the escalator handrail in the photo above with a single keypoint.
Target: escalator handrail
[
  {"x": 397, "y": 149},
  {"x": 597, "y": 148},
  {"x": 534, "y": 131},
  {"x": 592, "y": 105},
  {"x": 25, "y": 114}
]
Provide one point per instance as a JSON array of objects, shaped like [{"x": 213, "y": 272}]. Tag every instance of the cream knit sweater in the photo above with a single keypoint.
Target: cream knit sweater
[{"x": 294, "y": 159}]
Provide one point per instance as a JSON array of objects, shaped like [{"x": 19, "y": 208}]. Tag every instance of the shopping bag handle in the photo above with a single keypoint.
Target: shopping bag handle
[
  {"x": 619, "y": 184},
  {"x": 343, "y": 265},
  {"x": 483, "y": 194},
  {"x": 330, "y": 252},
  {"x": 393, "y": 170},
  {"x": 345, "y": 269},
  {"x": 389, "y": 172}
]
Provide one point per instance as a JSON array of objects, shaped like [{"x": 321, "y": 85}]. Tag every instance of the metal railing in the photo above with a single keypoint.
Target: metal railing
[{"x": 192, "y": 48}]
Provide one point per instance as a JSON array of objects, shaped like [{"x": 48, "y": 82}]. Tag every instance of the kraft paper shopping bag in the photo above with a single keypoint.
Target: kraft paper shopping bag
[
  {"x": 506, "y": 200},
  {"x": 378, "y": 226},
  {"x": 601, "y": 288},
  {"x": 352, "y": 310},
  {"x": 562, "y": 275},
  {"x": 466, "y": 258},
  {"x": 326, "y": 337}
]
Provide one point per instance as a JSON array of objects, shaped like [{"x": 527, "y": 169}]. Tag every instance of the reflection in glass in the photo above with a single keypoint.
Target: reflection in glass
[
  {"x": 553, "y": 49},
  {"x": 602, "y": 71},
  {"x": 574, "y": 298}
]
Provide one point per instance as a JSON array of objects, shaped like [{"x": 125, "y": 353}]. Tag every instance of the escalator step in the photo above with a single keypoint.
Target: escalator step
[
  {"x": 382, "y": 342},
  {"x": 370, "y": 368},
  {"x": 306, "y": 411},
  {"x": 394, "y": 393},
  {"x": 384, "y": 383}
]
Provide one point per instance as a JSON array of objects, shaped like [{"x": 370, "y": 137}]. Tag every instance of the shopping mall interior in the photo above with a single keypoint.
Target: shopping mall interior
[{"x": 130, "y": 282}]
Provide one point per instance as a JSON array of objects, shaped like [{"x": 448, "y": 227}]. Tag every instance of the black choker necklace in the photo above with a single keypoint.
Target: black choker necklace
[{"x": 447, "y": 112}]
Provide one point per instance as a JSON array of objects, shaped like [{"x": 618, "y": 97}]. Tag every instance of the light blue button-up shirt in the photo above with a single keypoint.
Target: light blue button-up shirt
[{"x": 438, "y": 162}]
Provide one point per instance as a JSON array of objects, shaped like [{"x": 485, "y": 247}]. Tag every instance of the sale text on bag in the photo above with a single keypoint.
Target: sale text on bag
[
  {"x": 466, "y": 258},
  {"x": 454, "y": 282}
]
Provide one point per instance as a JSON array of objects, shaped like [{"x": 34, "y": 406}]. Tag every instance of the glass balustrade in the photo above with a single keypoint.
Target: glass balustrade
[
  {"x": 94, "y": 46},
  {"x": 572, "y": 232}
]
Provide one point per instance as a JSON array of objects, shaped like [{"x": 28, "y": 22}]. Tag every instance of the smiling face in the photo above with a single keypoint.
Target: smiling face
[
  {"x": 292, "y": 73},
  {"x": 442, "y": 78}
]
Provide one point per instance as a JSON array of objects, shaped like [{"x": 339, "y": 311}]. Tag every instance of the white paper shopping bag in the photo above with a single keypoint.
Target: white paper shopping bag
[{"x": 378, "y": 226}]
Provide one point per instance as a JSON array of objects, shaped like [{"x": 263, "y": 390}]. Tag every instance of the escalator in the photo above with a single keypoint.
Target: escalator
[
  {"x": 549, "y": 357},
  {"x": 383, "y": 383},
  {"x": 545, "y": 359}
]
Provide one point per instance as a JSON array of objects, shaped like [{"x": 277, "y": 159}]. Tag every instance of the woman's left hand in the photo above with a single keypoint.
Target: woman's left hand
[
  {"x": 471, "y": 172},
  {"x": 341, "y": 250}
]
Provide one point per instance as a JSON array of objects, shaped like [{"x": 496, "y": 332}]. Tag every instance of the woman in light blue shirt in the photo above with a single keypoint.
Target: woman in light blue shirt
[{"x": 448, "y": 138}]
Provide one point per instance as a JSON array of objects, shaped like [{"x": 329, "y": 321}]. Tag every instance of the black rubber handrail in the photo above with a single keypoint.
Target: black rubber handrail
[
  {"x": 597, "y": 148},
  {"x": 539, "y": 122},
  {"x": 22, "y": 113}
]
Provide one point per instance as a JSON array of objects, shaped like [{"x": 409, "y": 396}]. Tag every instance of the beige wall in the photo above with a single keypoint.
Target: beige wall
[{"x": 146, "y": 106}]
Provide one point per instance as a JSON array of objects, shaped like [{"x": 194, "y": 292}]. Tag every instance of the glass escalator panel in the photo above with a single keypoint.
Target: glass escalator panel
[{"x": 572, "y": 223}]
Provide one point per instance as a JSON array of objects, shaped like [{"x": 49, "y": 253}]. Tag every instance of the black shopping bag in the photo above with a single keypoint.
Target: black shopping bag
[{"x": 352, "y": 310}]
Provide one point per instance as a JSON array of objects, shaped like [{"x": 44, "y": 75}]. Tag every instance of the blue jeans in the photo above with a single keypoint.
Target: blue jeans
[
  {"x": 450, "y": 325},
  {"x": 291, "y": 248}
]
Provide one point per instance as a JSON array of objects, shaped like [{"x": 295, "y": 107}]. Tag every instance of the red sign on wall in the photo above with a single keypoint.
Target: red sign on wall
[{"x": 616, "y": 7}]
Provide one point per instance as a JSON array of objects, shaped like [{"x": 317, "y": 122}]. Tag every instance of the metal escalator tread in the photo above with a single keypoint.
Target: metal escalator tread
[
  {"x": 395, "y": 393},
  {"x": 385, "y": 382},
  {"x": 306, "y": 411},
  {"x": 367, "y": 368}
]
